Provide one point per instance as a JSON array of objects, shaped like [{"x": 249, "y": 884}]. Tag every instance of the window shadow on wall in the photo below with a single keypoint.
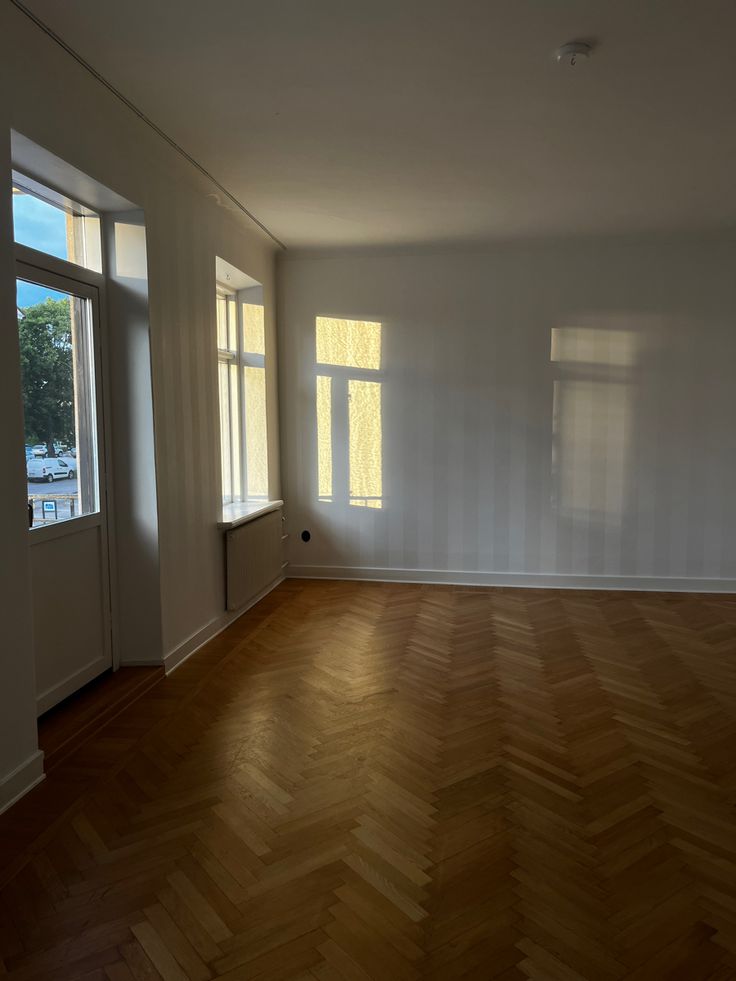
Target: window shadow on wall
[{"x": 594, "y": 375}]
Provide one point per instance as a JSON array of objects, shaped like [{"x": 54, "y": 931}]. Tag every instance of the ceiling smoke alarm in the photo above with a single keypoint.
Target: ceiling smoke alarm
[{"x": 573, "y": 53}]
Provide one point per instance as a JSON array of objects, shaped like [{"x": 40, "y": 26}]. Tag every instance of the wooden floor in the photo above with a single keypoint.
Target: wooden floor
[{"x": 396, "y": 781}]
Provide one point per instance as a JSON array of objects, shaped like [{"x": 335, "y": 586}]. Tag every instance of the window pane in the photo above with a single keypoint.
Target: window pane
[
  {"x": 366, "y": 488},
  {"x": 324, "y": 438},
  {"x": 227, "y": 482},
  {"x": 56, "y": 226},
  {"x": 232, "y": 323},
  {"x": 222, "y": 322},
  {"x": 256, "y": 442},
  {"x": 235, "y": 439},
  {"x": 55, "y": 333},
  {"x": 350, "y": 343},
  {"x": 254, "y": 341}
]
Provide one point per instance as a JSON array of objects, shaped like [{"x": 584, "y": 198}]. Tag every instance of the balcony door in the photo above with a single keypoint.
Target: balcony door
[{"x": 60, "y": 348}]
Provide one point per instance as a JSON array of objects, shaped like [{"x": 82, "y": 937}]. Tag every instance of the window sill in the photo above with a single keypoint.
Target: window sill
[{"x": 241, "y": 511}]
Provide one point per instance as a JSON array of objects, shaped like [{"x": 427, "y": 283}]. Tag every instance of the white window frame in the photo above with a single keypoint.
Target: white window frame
[
  {"x": 242, "y": 359},
  {"x": 340, "y": 377}
]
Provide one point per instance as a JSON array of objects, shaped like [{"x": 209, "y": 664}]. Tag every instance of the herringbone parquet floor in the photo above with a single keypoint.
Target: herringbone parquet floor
[{"x": 394, "y": 782}]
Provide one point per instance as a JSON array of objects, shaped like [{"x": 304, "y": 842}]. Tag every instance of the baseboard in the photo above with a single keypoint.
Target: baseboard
[
  {"x": 670, "y": 584},
  {"x": 192, "y": 644},
  {"x": 20, "y": 780},
  {"x": 52, "y": 696}
]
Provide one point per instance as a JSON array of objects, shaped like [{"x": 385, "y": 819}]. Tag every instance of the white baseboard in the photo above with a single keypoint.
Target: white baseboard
[
  {"x": 52, "y": 696},
  {"x": 523, "y": 580},
  {"x": 19, "y": 781},
  {"x": 192, "y": 644}
]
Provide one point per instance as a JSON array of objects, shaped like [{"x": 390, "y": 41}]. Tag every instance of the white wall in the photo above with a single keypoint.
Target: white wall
[
  {"x": 644, "y": 478},
  {"x": 53, "y": 101},
  {"x": 19, "y": 760}
]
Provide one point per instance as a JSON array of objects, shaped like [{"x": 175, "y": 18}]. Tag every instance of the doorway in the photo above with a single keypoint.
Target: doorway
[{"x": 60, "y": 339}]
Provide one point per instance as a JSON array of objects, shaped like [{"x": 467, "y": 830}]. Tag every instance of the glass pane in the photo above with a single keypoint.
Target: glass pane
[
  {"x": 56, "y": 226},
  {"x": 227, "y": 483},
  {"x": 254, "y": 341},
  {"x": 350, "y": 343},
  {"x": 235, "y": 438},
  {"x": 221, "y": 322},
  {"x": 366, "y": 481},
  {"x": 324, "y": 437},
  {"x": 59, "y": 402},
  {"x": 232, "y": 323},
  {"x": 256, "y": 443}
]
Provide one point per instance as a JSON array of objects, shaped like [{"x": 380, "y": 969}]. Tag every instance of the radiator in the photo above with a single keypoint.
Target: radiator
[{"x": 253, "y": 558}]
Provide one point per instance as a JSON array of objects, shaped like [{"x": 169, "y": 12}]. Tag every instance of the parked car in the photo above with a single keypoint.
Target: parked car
[
  {"x": 70, "y": 459},
  {"x": 51, "y": 469},
  {"x": 29, "y": 453},
  {"x": 42, "y": 449}
]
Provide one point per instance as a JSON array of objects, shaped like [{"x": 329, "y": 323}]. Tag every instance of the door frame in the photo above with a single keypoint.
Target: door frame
[{"x": 69, "y": 277}]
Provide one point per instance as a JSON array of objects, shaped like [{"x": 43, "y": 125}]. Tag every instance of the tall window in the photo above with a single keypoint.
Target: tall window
[
  {"x": 349, "y": 426},
  {"x": 242, "y": 382},
  {"x": 57, "y": 331}
]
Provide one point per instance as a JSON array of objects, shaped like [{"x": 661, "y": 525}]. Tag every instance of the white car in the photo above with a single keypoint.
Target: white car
[{"x": 51, "y": 468}]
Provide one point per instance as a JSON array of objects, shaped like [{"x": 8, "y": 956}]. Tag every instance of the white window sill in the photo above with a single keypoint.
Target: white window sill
[{"x": 241, "y": 511}]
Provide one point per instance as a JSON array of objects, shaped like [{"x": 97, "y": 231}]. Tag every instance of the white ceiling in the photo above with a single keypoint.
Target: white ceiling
[{"x": 375, "y": 122}]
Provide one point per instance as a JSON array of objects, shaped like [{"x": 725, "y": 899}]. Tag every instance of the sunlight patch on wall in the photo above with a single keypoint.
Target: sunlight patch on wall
[
  {"x": 592, "y": 420},
  {"x": 324, "y": 437},
  {"x": 366, "y": 488},
  {"x": 594, "y": 346},
  {"x": 130, "y": 251},
  {"x": 349, "y": 343},
  {"x": 592, "y": 426}
]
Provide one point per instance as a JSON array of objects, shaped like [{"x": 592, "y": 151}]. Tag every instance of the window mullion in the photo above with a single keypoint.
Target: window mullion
[{"x": 340, "y": 438}]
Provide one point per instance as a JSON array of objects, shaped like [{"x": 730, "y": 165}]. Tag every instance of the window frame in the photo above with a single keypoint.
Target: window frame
[
  {"x": 241, "y": 359},
  {"x": 87, "y": 262},
  {"x": 46, "y": 270},
  {"x": 340, "y": 376}
]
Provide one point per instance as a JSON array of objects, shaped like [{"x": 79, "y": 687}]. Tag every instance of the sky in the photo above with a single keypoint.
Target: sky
[{"x": 40, "y": 226}]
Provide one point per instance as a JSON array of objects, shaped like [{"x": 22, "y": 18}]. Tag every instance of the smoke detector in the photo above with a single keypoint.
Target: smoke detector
[{"x": 573, "y": 53}]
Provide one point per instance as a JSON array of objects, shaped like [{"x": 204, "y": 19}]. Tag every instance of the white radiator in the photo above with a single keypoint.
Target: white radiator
[{"x": 253, "y": 557}]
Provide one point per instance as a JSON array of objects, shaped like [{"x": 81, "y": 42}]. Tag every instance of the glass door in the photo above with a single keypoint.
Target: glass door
[{"x": 59, "y": 340}]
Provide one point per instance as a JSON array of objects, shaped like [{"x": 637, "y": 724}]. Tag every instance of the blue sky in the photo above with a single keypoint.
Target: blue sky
[
  {"x": 40, "y": 226},
  {"x": 28, "y": 294}
]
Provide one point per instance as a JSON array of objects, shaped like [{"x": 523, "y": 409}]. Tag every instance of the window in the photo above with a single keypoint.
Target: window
[
  {"x": 55, "y": 331},
  {"x": 241, "y": 355},
  {"x": 58, "y": 334},
  {"x": 49, "y": 222},
  {"x": 349, "y": 425}
]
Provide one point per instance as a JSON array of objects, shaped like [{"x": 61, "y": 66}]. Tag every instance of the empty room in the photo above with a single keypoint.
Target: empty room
[{"x": 368, "y": 567}]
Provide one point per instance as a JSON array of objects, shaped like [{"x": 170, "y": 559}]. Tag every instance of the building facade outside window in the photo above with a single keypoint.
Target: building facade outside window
[{"x": 241, "y": 357}]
